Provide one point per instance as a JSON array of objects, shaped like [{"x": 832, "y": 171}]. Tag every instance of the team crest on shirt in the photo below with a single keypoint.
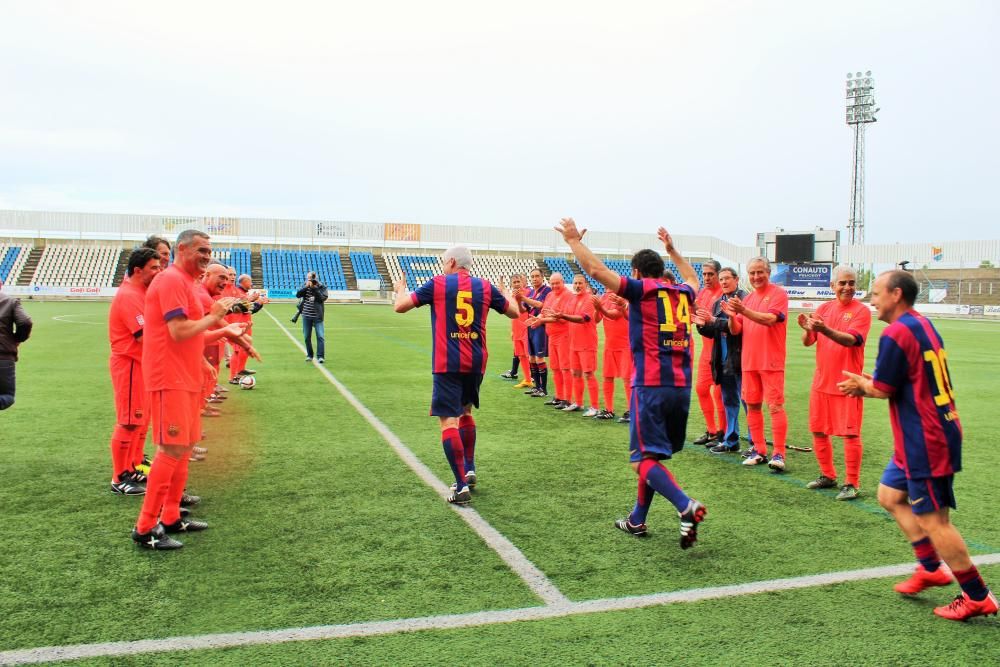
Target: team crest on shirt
[
  {"x": 139, "y": 318},
  {"x": 173, "y": 430},
  {"x": 848, "y": 316}
]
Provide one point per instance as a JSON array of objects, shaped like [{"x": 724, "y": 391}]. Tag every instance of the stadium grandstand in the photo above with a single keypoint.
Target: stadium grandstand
[{"x": 68, "y": 254}]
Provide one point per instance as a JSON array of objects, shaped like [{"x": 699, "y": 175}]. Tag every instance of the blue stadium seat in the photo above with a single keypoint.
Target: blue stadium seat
[
  {"x": 364, "y": 267},
  {"x": 7, "y": 262},
  {"x": 287, "y": 269},
  {"x": 238, "y": 258},
  {"x": 418, "y": 269}
]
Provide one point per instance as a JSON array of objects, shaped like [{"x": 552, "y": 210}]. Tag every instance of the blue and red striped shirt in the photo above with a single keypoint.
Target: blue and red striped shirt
[
  {"x": 912, "y": 367},
  {"x": 459, "y": 306},
  {"x": 538, "y": 295},
  {"x": 659, "y": 330}
]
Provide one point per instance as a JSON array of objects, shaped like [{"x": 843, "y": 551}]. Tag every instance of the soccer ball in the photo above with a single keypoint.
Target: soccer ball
[{"x": 247, "y": 382}]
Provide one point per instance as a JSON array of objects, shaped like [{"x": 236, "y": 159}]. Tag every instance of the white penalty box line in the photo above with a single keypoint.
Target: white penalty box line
[
  {"x": 452, "y": 621},
  {"x": 510, "y": 554}
]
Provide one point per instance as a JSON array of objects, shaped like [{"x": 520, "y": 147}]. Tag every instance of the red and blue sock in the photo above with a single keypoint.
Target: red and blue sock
[
  {"x": 972, "y": 584},
  {"x": 543, "y": 376},
  {"x": 643, "y": 499},
  {"x": 926, "y": 554},
  {"x": 660, "y": 479},
  {"x": 467, "y": 431},
  {"x": 451, "y": 440}
]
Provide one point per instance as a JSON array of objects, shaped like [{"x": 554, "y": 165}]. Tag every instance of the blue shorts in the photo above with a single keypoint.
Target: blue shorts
[
  {"x": 453, "y": 391},
  {"x": 538, "y": 342},
  {"x": 658, "y": 424},
  {"x": 925, "y": 495}
]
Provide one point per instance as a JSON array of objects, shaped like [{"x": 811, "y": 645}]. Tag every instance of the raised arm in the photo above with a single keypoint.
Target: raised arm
[
  {"x": 688, "y": 275},
  {"x": 587, "y": 260}
]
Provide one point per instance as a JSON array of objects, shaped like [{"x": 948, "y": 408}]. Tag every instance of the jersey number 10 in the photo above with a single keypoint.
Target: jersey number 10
[
  {"x": 670, "y": 318},
  {"x": 939, "y": 364}
]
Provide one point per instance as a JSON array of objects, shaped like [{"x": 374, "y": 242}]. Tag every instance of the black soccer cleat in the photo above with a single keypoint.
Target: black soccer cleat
[
  {"x": 625, "y": 418},
  {"x": 707, "y": 438},
  {"x": 188, "y": 500},
  {"x": 638, "y": 530},
  {"x": 184, "y": 525},
  {"x": 605, "y": 414},
  {"x": 156, "y": 539},
  {"x": 509, "y": 376},
  {"x": 471, "y": 479},
  {"x": 460, "y": 497},
  {"x": 126, "y": 487},
  {"x": 690, "y": 519}
]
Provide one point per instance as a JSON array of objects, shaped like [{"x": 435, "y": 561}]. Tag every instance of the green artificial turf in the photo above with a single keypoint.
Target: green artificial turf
[{"x": 316, "y": 521}]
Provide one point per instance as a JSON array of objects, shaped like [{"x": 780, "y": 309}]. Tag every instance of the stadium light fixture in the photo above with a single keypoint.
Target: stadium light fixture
[{"x": 860, "y": 110}]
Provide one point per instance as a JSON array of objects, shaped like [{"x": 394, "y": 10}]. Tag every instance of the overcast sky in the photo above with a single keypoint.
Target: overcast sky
[{"x": 719, "y": 117}]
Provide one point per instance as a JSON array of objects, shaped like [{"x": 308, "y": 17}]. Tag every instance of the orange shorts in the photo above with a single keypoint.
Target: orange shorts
[
  {"x": 521, "y": 346},
  {"x": 131, "y": 398},
  {"x": 559, "y": 357},
  {"x": 764, "y": 387},
  {"x": 617, "y": 363},
  {"x": 176, "y": 417},
  {"x": 584, "y": 361},
  {"x": 835, "y": 414}
]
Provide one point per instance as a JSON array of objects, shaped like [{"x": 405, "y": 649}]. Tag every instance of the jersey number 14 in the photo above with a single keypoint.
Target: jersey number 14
[{"x": 672, "y": 317}]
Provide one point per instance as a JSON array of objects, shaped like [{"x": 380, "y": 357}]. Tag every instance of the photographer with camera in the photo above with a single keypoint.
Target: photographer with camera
[{"x": 313, "y": 294}]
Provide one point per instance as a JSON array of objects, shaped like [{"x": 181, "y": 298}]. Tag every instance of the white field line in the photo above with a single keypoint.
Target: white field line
[
  {"x": 521, "y": 566},
  {"x": 453, "y": 621},
  {"x": 63, "y": 318}
]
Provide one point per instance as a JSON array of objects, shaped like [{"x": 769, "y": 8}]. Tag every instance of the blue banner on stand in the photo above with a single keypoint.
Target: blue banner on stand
[{"x": 801, "y": 275}]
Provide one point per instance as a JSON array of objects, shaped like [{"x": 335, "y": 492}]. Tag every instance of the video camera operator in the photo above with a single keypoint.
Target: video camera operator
[{"x": 313, "y": 294}]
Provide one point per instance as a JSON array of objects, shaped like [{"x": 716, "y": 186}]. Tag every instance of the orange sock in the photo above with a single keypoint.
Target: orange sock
[
  {"x": 578, "y": 390},
  {"x": 628, "y": 392},
  {"x": 779, "y": 427},
  {"x": 121, "y": 445},
  {"x": 609, "y": 395},
  {"x": 161, "y": 472},
  {"x": 852, "y": 460},
  {"x": 137, "y": 452},
  {"x": 755, "y": 423},
  {"x": 704, "y": 392},
  {"x": 592, "y": 390},
  {"x": 824, "y": 455},
  {"x": 172, "y": 502}
]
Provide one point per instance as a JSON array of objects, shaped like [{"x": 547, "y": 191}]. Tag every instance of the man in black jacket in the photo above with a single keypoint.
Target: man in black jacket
[
  {"x": 15, "y": 327},
  {"x": 313, "y": 294},
  {"x": 726, "y": 367}
]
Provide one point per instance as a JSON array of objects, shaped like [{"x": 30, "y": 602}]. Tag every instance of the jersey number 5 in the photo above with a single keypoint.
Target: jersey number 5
[
  {"x": 463, "y": 308},
  {"x": 670, "y": 318},
  {"x": 939, "y": 364}
]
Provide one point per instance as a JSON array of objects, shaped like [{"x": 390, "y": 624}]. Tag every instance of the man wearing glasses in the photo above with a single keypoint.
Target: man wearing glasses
[{"x": 839, "y": 330}]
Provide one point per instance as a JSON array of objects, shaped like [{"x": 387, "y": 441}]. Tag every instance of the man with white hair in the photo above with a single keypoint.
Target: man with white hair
[
  {"x": 762, "y": 318},
  {"x": 459, "y": 306},
  {"x": 839, "y": 330}
]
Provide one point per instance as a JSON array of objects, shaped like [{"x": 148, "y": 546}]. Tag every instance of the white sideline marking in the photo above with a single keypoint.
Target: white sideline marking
[
  {"x": 452, "y": 621},
  {"x": 521, "y": 566},
  {"x": 62, "y": 318}
]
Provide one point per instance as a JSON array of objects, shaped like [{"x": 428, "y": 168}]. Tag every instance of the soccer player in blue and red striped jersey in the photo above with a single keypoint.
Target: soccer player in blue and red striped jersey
[
  {"x": 459, "y": 305},
  {"x": 538, "y": 340},
  {"x": 660, "y": 338},
  {"x": 917, "y": 486}
]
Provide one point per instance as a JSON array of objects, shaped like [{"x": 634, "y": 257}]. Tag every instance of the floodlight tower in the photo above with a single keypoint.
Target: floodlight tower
[{"x": 860, "y": 111}]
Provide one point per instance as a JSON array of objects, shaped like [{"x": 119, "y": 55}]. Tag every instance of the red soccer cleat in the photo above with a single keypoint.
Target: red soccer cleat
[
  {"x": 922, "y": 579},
  {"x": 962, "y": 608}
]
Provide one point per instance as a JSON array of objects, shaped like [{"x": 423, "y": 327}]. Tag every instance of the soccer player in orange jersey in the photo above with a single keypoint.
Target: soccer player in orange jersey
[
  {"x": 162, "y": 248},
  {"x": 557, "y": 332},
  {"x": 839, "y": 330},
  {"x": 583, "y": 320},
  {"x": 762, "y": 317},
  {"x": 709, "y": 394},
  {"x": 519, "y": 338},
  {"x": 210, "y": 289},
  {"x": 174, "y": 338},
  {"x": 125, "y": 329},
  {"x": 617, "y": 362}
]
